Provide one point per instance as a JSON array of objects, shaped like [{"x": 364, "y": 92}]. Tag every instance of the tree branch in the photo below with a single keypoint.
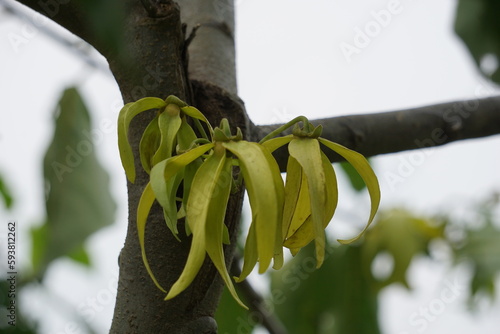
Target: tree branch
[
  {"x": 75, "y": 45},
  {"x": 99, "y": 23},
  {"x": 389, "y": 132},
  {"x": 256, "y": 302},
  {"x": 68, "y": 14}
]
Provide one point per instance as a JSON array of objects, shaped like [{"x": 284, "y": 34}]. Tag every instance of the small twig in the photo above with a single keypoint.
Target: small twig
[
  {"x": 191, "y": 36},
  {"x": 256, "y": 303}
]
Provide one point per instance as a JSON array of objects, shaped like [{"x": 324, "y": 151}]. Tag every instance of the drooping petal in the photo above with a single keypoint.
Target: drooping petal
[
  {"x": 364, "y": 169},
  {"x": 305, "y": 233},
  {"x": 215, "y": 227},
  {"x": 127, "y": 113},
  {"x": 308, "y": 154},
  {"x": 206, "y": 187},
  {"x": 250, "y": 256},
  {"x": 265, "y": 192},
  {"x": 301, "y": 211},
  {"x": 166, "y": 169},
  {"x": 169, "y": 125},
  {"x": 195, "y": 113},
  {"x": 145, "y": 204},
  {"x": 275, "y": 143}
]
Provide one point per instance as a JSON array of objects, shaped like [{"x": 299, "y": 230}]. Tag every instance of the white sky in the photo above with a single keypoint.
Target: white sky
[{"x": 289, "y": 63}]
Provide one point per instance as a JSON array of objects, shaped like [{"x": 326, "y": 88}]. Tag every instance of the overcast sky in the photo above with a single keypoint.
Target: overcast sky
[{"x": 328, "y": 58}]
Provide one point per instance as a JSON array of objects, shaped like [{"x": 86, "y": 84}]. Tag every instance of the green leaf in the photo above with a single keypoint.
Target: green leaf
[
  {"x": 364, "y": 169},
  {"x": 231, "y": 317},
  {"x": 265, "y": 192},
  {"x": 78, "y": 200},
  {"x": 403, "y": 236},
  {"x": 480, "y": 248},
  {"x": 127, "y": 113},
  {"x": 337, "y": 298},
  {"x": 356, "y": 181},
  {"x": 478, "y": 26},
  {"x": 5, "y": 194},
  {"x": 81, "y": 256}
]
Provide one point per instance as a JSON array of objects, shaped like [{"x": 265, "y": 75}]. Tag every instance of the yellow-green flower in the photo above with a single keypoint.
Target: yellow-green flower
[
  {"x": 207, "y": 203},
  {"x": 311, "y": 194},
  {"x": 201, "y": 167}
]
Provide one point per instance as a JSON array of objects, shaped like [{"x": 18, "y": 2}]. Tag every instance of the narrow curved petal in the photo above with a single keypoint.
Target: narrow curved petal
[
  {"x": 215, "y": 227},
  {"x": 265, "y": 192},
  {"x": 128, "y": 112},
  {"x": 305, "y": 233},
  {"x": 169, "y": 126},
  {"x": 195, "y": 113},
  {"x": 149, "y": 144},
  {"x": 166, "y": 169},
  {"x": 275, "y": 143},
  {"x": 250, "y": 256},
  {"x": 145, "y": 204},
  {"x": 308, "y": 155},
  {"x": 364, "y": 169},
  {"x": 205, "y": 216}
]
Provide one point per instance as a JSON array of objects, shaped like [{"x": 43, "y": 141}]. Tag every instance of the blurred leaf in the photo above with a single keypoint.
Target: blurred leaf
[
  {"x": 356, "y": 181},
  {"x": 231, "y": 317},
  {"x": 81, "y": 256},
  {"x": 403, "y": 236},
  {"x": 481, "y": 247},
  {"x": 78, "y": 200},
  {"x": 5, "y": 194},
  {"x": 337, "y": 298},
  {"x": 477, "y": 24}
]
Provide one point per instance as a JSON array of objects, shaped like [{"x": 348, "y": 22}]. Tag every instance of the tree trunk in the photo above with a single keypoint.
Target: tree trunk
[{"x": 157, "y": 66}]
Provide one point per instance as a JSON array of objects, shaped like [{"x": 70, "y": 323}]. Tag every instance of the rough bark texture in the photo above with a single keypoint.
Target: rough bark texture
[
  {"x": 157, "y": 48},
  {"x": 153, "y": 63}
]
